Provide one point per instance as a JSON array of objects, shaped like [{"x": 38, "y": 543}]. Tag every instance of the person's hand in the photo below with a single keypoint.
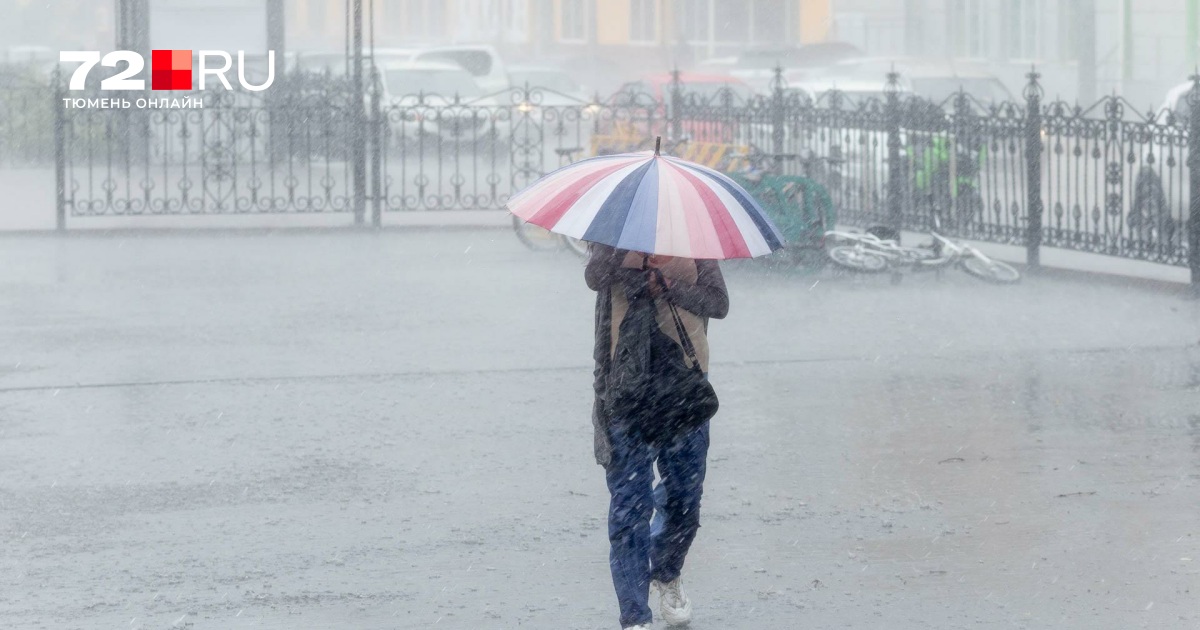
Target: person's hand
[
  {"x": 631, "y": 260},
  {"x": 659, "y": 284}
]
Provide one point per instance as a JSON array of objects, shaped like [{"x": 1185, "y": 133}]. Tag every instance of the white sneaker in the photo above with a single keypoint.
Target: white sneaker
[
  {"x": 641, "y": 626},
  {"x": 674, "y": 606}
]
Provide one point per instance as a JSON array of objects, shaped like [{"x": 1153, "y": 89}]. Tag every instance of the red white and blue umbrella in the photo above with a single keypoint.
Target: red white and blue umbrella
[{"x": 650, "y": 203}]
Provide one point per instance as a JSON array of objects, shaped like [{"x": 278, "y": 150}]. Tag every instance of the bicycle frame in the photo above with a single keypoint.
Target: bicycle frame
[{"x": 887, "y": 248}]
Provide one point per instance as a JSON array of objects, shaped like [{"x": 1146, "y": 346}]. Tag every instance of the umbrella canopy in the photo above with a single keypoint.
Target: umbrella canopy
[{"x": 650, "y": 203}]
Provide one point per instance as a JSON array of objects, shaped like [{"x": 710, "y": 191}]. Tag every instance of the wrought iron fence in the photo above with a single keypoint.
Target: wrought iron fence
[
  {"x": 1115, "y": 181},
  {"x": 240, "y": 152},
  {"x": 448, "y": 152},
  {"x": 1103, "y": 179}
]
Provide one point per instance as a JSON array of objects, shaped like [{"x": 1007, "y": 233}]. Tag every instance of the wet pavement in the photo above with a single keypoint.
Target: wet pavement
[{"x": 345, "y": 430}]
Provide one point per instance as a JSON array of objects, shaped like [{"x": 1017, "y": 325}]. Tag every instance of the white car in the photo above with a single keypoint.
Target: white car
[
  {"x": 1158, "y": 209},
  {"x": 717, "y": 65},
  {"x": 756, "y": 65},
  {"x": 856, "y": 91},
  {"x": 336, "y": 63},
  {"x": 936, "y": 80},
  {"x": 481, "y": 61},
  {"x": 440, "y": 101},
  {"x": 1177, "y": 103},
  {"x": 851, "y": 162},
  {"x": 549, "y": 86}
]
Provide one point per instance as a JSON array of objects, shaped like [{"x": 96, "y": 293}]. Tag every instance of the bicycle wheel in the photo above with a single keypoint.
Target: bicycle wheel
[
  {"x": 536, "y": 238},
  {"x": 990, "y": 270},
  {"x": 575, "y": 246},
  {"x": 857, "y": 259}
]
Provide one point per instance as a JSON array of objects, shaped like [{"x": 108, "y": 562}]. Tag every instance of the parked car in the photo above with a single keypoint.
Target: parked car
[
  {"x": 756, "y": 66},
  {"x": 554, "y": 87},
  {"x": 654, "y": 94},
  {"x": 855, "y": 91},
  {"x": 706, "y": 87},
  {"x": 1154, "y": 215},
  {"x": 984, "y": 88},
  {"x": 481, "y": 61},
  {"x": 337, "y": 64},
  {"x": 440, "y": 101},
  {"x": 716, "y": 65},
  {"x": 1177, "y": 103},
  {"x": 850, "y": 155},
  {"x": 933, "y": 79}
]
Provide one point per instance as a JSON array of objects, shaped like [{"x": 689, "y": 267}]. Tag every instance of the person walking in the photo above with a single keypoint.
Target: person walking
[
  {"x": 651, "y": 528},
  {"x": 653, "y": 400}
]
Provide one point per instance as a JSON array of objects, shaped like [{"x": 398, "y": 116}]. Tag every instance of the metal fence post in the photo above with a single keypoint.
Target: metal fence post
[
  {"x": 359, "y": 120},
  {"x": 1033, "y": 170},
  {"x": 676, "y": 104},
  {"x": 895, "y": 185},
  {"x": 1193, "y": 163},
  {"x": 378, "y": 145},
  {"x": 60, "y": 146},
  {"x": 778, "y": 119}
]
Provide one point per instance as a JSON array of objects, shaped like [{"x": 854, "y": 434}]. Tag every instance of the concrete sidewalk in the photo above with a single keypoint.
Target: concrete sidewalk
[{"x": 1070, "y": 260}]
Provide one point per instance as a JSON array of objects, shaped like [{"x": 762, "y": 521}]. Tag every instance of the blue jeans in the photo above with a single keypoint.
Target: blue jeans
[{"x": 645, "y": 548}]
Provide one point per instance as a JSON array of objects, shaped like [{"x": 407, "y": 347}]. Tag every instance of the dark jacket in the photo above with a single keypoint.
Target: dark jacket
[{"x": 707, "y": 298}]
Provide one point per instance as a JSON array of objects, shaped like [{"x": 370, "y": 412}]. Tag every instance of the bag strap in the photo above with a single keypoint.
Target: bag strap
[{"x": 685, "y": 339}]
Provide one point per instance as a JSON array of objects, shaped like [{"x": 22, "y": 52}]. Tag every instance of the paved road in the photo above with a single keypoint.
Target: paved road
[{"x": 344, "y": 430}]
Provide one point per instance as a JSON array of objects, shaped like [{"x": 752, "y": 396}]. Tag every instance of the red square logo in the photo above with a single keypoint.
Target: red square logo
[{"x": 171, "y": 70}]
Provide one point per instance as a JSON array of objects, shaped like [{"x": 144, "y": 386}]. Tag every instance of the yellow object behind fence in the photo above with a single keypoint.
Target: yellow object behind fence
[{"x": 715, "y": 155}]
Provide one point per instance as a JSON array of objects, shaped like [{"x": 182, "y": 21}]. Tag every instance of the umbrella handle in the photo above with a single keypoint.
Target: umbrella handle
[{"x": 657, "y": 144}]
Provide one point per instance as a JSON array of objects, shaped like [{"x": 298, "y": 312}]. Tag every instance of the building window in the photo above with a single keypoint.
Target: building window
[
  {"x": 1024, "y": 29},
  {"x": 693, "y": 20},
  {"x": 1069, "y": 18},
  {"x": 643, "y": 21},
  {"x": 491, "y": 20},
  {"x": 418, "y": 21},
  {"x": 732, "y": 20},
  {"x": 969, "y": 29},
  {"x": 573, "y": 20},
  {"x": 733, "y": 24},
  {"x": 517, "y": 21},
  {"x": 316, "y": 15},
  {"x": 770, "y": 21}
]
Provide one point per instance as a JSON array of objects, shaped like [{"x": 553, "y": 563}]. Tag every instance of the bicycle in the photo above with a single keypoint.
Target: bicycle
[
  {"x": 970, "y": 260},
  {"x": 865, "y": 252},
  {"x": 538, "y": 238},
  {"x": 800, "y": 207}
]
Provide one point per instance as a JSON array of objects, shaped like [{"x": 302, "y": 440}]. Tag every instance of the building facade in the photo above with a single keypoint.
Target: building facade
[
  {"x": 606, "y": 39},
  {"x": 36, "y": 30},
  {"x": 1083, "y": 48},
  {"x": 711, "y": 27}
]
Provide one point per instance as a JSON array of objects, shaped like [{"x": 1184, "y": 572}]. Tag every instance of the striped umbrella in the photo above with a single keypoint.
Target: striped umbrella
[{"x": 650, "y": 203}]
